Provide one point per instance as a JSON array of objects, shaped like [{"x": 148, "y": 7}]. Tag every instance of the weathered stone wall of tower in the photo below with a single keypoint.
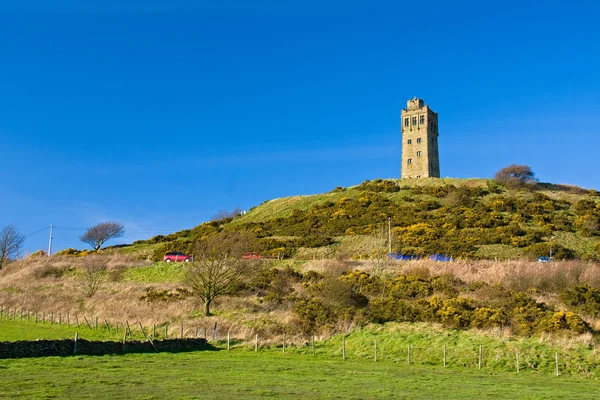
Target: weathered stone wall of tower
[{"x": 419, "y": 127}]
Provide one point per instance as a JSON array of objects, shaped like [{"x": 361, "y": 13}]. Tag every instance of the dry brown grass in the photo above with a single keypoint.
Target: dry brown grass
[
  {"x": 52, "y": 285},
  {"x": 516, "y": 275}
]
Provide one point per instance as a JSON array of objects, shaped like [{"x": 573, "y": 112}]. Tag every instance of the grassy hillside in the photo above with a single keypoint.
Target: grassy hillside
[
  {"x": 473, "y": 218},
  {"x": 336, "y": 278},
  {"x": 249, "y": 375}
]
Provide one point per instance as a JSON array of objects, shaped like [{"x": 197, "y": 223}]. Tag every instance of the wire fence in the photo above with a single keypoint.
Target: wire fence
[{"x": 492, "y": 358}]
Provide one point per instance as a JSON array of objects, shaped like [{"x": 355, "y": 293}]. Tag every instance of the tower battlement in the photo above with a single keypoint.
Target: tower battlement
[{"x": 419, "y": 128}]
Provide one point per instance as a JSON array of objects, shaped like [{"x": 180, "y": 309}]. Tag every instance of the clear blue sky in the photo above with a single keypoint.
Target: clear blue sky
[{"x": 159, "y": 114}]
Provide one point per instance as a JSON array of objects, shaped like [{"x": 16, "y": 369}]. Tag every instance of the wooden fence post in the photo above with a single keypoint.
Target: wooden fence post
[
  {"x": 166, "y": 331},
  {"x": 147, "y": 338},
  {"x": 480, "y": 351},
  {"x": 284, "y": 342},
  {"x": 313, "y": 345},
  {"x": 96, "y": 322},
  {"x": 375, "y": 358},
  {"x": 256, "y": 343},
  {"x": 75, "y": 344},
  {"x": 59, "y": 319},
  {"x": 408, "y": 354},
  {"x": 227, "y": 340},
  {"x": 181, "y": 331},
  {"x": 556, "y": 358},
  {"x": 43, "y": 317},
  {"x": 52, "y": 318},
  {"x": 343, "y": 348},
  {"x": 153, "y": 331}
]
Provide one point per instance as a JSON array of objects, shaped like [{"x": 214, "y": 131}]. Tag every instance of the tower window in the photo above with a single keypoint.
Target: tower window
[
  {"x": 418, "y": 154},
  {"x": 418, "y": 140},
  {"x": 409, "y": 141},
  {"x": 422, "y": 120},
  {"x": 414, "y": 120},
  {"x": 405, "y": 121},
  {"x": 409, "y": 161}
]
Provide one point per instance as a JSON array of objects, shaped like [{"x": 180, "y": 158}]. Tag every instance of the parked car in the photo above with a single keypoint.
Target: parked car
[
  {"x": 440, "y": 257},
  {"x": 403, "y": 257},
  {"x": 174, "y": 256},
  {"x": 544, "y": 259},
  {"x": 251, "y": 255}
]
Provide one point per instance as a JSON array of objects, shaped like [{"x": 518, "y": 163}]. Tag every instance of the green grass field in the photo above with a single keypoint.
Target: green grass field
[
  {"x": 160, "y": 272},
  {"x": 249, "y": 375},
  {"x": 244, "y": 373}
]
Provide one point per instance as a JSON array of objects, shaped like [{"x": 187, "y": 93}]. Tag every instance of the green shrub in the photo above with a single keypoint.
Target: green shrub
[
  {"x": 584, "y": 206},
  {"x": 563, "y": 320},
  {"x": 484, "y": 317},
  {"x": 583, "y": 298},
  {"x": 68, "y": 252},
  {"x": 545, "y": 249},
  {"x": 379, "y": 185},
  {"x": 494, "y": 186},
  {"x": 363, "y": 282},
  {"x": 311, "y": 277},
  {"x": 456, "y": 312},
  {"x": 588, "y": 224},
  {"x": 527, "y": 319},
  {"x": 446, "y": 284},
  {"x": 314, "y": 316},
  {"x": 409, "y": 287},
  {"x": 384, "y": 310}
]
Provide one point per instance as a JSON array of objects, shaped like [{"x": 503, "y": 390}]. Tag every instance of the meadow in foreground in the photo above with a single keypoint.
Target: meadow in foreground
[{"x": 244, "y": 373}]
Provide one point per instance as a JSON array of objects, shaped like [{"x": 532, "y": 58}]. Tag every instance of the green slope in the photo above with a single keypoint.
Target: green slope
[{"x": 475, "y": 218}]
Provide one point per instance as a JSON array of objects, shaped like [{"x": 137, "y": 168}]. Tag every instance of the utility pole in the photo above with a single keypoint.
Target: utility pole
[
  {"x": 50, "y": 242},
  {"x": 390, "y": 234}
]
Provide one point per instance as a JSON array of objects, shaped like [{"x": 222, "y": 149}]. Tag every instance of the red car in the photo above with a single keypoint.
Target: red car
[
  {"x": 250, "y": 255},
  {"x": 176, "y": 256}
]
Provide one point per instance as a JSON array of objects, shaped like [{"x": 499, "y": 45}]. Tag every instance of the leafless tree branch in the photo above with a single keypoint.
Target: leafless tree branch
[
  {"x": 10, "y": 242},
  {"x": 99, "y": 234}
]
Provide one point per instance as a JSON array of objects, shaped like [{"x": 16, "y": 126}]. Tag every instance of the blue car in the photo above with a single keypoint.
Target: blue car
[
  {"x": 544, "y": 259},
  {"x": 403, "y": 257},
  {"x": 440, "y": 257}
]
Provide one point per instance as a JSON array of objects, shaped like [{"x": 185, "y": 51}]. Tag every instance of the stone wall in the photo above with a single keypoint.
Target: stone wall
[{"x": 66, "y": 347}]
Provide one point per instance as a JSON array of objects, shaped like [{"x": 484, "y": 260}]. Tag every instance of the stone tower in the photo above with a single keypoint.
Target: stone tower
[{"x": 419, "y": 127}]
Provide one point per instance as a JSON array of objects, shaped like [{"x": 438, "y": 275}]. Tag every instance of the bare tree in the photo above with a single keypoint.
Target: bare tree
[
  {"x": 515, "y": 175},
  {"x": 10, "y": 242},
  {"x": 94, "y": 273},
  {"x": 226, "y": 214},
  {"x": 99, "y": 234},
  {"x": 218, "y": 268}
]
